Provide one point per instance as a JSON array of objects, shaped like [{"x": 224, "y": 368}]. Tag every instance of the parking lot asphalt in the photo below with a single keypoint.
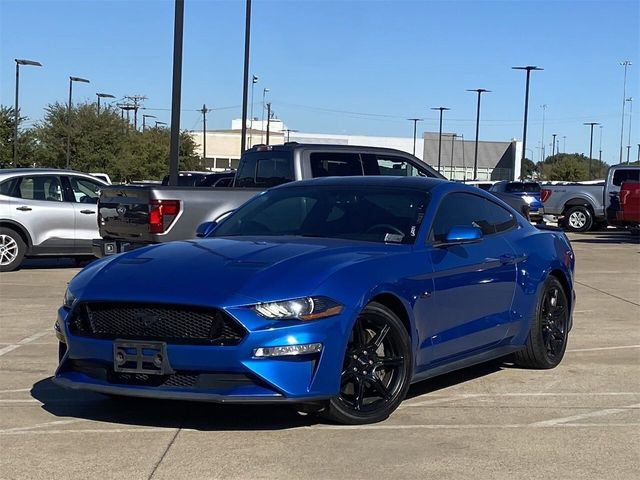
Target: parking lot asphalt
[{"x": 580, "y": 420}]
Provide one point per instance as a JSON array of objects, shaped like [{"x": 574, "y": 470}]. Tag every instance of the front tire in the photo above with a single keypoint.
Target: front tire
[
  {"x": 377, "y": 369},
  {"x": 578, "y": 219},
  {"x": 547, "y": 340},
  {"x": 12, "y": 249}
]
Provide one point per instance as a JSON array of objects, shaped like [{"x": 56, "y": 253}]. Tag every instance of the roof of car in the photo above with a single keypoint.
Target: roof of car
[
  {"x": 372, "y": 181},
  {"x": 322, "y": 146},
  {"x": 9, "y": 172}
]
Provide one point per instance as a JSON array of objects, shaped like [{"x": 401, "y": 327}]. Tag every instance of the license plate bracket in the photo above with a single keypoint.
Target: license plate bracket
[{"x": 148, "y": 358}]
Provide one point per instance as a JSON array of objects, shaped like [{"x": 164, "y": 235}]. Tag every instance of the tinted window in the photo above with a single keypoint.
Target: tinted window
[
  {"x": 391, "y": 166},
  {"x": 85, "y": 191},
  {"x": 527, "y": 187},
  {"x": 356, "y": 212},
  {"x": 6, "y": 187},
  {"x": 265, "y": 169},
  {"x": 333, "y": 164},
  {"x": 624, "y": 175},
  {"x": 464, "y": 209},
  {"x": 41, "y": 187}
]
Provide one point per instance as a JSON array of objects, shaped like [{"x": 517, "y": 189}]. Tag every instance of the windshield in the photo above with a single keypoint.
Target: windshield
[
  {"x": 374, "y": 214},
  {"x": 526, "y": 187}
]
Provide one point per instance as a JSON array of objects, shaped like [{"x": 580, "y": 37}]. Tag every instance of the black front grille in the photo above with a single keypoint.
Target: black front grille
[{"x": 169, "y": 323}]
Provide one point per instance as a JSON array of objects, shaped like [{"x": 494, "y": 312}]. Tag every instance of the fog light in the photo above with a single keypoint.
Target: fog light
[{"x": 287, "y": 350}]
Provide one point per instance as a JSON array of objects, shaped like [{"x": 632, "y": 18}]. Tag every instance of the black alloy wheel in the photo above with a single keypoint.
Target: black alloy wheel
[
  {"x": 377, "y": 369},
  {"x": 547, "y": 340}
]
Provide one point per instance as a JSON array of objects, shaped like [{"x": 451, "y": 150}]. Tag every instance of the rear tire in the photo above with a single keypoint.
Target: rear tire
[
  {"x": 578, "y": 219},
  {"x": 377, "y": 369},
  {"x": 12, "y": 249},
  {"x": 547, "y": 340}
]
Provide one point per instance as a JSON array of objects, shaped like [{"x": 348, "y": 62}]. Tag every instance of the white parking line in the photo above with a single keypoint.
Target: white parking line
[
  {"x": 16, "y": 390},
  {"x": 597, "y": 349},
  {"x": 598, "y": 413},
  {"x": 25, "y": 341},
  {"x": 42, "y": 425}
]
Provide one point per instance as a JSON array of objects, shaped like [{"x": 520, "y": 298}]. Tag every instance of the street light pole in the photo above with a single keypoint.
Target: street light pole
[
  {"x": 264, "y": 93},
  {"x": 254, "y": 80},
  {"x": 103, "y": 95},
  {"x": 160, "y": 123},
  {"x": 600, "y": 146},
  {"x": 176, "y": 90},
  {"x": 553, "y": 147},
  {"x": 625, "y": 64},
  {"x": 16, "y": 109},
  {"x": 442, "y": 109},
  {"x": 630, "y": 100},
  {"x": 245, "y": 82},
  {"x": 268, "y": 120},
  {"x": 415, "y": 122},
  {"x": 591, "y": 124},
  {"x": 453, "y": 140},
  {"x": 204, "y": 112},
  {"x": 71, "y": 80},
  {"x": 529, "y": 69},
  {"x": 144, "y": 120},
  {"x": 544, "y": 110},
  {"x": 475, "y": 158}
]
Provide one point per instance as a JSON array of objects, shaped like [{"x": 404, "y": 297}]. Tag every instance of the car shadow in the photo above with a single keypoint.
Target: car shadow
[
  {"x": 39, "y": 263},
  {"x": 607, "y": 236},
  {"x": 206, "y": 416}
]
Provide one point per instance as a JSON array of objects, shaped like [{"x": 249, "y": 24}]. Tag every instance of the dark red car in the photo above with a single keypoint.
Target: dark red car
[{"x": 629, "y": 213}]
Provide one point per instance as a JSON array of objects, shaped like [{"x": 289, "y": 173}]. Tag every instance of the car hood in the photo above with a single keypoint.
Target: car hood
[{"x": 223, "y": 271}]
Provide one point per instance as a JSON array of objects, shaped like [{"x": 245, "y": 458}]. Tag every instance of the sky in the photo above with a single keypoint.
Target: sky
[{"x": 344, "y": 67}]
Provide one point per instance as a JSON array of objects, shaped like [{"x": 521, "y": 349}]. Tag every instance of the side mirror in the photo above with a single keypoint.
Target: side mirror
[
  {"x": 461, "y": 234},
  {"x": 204, "y": 229}
]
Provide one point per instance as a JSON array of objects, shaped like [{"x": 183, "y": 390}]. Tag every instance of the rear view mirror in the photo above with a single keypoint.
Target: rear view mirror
[{"x": 204, "y": 229}]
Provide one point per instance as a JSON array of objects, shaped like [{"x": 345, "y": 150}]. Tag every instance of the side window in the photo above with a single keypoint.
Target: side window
[
  {"x": 395, "y": 166},
  {"x": 40, "y": 187},
  {"x": 458, "y": 209},
  {"x": 7, "y": 187},
  {"x": 85, "y": 191},
  {"x": 624, "y": 175},
  {"x": 335, "y": 164},
  {"x": 498, "y": 218}
]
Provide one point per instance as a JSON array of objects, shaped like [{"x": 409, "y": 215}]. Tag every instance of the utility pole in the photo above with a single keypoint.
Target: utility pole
[
  {"x": 591, "y": 124},
  {"x": 544, "y": 109},
  {"x": 289, "y": 130},
  {"x": 254, "y": 80},
  {"x": 268, "y": 120},
  {"x": 475, "y": 158},
  {"x": 553, "y": 147},
  {"x": 204, "y": 112},
  {"x": 245, "y": 82},
  {"x": 442, "y": 109},
  {"x": 136, "y": 99},
  {"x": 600, "y": 148},
  {"x": 415, "y": 122},
  {"x": 624, "y": 64},
  {"x": 264, "y": 93}
]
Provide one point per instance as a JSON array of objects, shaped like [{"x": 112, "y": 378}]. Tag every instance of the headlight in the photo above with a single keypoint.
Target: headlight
[
  {"x": 308, "y": 308},
  {"x": 69, "y": 298}
]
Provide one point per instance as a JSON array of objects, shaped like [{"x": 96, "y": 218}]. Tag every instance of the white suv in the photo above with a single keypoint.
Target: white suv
[{"x": 46, "y": 212}]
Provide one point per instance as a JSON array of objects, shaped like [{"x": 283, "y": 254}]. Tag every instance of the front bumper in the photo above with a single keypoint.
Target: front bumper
[{"x": 217, "y": 373}]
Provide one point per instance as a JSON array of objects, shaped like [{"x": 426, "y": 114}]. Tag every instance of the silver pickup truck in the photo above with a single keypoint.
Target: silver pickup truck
[
  {"x": 131, "y": 216},
  {"x": 583, "y": 206}
]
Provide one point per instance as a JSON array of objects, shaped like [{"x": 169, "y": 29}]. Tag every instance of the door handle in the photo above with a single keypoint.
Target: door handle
[
  {"x": 510, "y": 259},
  {"x": 87, "y": 212},
  {"x": 24, "y": 209}
]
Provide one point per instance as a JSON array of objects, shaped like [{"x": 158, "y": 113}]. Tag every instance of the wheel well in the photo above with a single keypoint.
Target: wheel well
[
  {"x": 19, "y": 230},
  {"x": 578, "y": 202},
  {"x": 395, "y": 305},
  {"x": 561, "y": 277}
]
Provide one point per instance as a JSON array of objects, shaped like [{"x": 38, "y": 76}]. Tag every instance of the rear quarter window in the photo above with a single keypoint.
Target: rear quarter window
[{"x": 527, "y": 187}]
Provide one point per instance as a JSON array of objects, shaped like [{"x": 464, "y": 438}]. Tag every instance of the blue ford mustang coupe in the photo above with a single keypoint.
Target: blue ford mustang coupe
[{"x": 334, "y": 293}]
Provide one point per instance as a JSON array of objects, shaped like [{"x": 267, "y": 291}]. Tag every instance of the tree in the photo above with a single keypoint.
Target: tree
[
  {"x": 527, "y": 169},
  {"x": 26, "y": 140},
  {"x": 571, "y": 167}
]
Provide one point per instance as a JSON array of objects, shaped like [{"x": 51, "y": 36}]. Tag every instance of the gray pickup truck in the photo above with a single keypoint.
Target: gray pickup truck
[
  {"x": 131, "y": 216},
  {"x": 583, "y": 206}
]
